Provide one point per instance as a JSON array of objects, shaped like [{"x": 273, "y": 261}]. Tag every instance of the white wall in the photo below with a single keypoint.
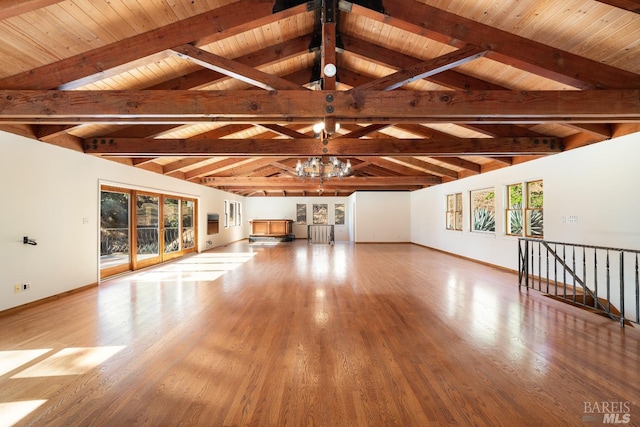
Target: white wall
[
  {"x": 382, "y": 216},
  {"x": 598, "y": 183},
  {"x": 51, "y": 194},
  {"x": 285, "y": 208}
]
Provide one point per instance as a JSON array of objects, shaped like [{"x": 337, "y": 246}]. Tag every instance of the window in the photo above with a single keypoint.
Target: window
[
  {"x": 232, "y": 214},
  {"x": 483, "y": 214},
  {"x": 524, "y": 214},
  {"x": 454, "y": 211}
]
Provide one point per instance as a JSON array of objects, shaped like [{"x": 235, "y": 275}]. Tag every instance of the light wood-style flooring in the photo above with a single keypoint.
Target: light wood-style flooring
[{"x": 314, "y": 335}]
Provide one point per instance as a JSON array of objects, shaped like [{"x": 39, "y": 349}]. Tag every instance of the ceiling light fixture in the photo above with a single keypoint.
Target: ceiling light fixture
[
  {"x": 314, "y": 167},
  {"x": 319, "y": 127}
]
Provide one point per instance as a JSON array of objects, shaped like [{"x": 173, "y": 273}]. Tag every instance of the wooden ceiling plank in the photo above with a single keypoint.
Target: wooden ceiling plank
[
  {"x": 396, "y": 168},
  {"x": 182, "y": 163},
  {"x": 11, "y": 8},
  {"x": 343, "y": 146},
  {"x": 234, "y": 69},
  {"x": 365, "y": 130},
  {"x": 505, "y": 47},
  {"x": 397, "y": 60},
  {"x": 599, "y": 130},
  {"x": 229, "y": 19},
  {"x": 425, "y": 69},
  {"x": 462, "y": 163},
  {"x": 387, "y": 106},
  {"x": 215, "y": 167},
  {"x": 428, "y": 167},
  {"x": 241, "y": 169}
]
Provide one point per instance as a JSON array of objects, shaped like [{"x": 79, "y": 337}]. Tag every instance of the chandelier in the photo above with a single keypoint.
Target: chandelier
[{"x": 314, "y": 167}]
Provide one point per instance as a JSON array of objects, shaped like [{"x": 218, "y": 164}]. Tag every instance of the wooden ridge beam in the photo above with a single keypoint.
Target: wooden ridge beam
[{"x": 340, "y": 147}]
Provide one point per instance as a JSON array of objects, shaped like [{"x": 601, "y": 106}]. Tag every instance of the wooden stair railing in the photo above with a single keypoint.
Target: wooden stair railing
[{"x": 574, "y": 273}]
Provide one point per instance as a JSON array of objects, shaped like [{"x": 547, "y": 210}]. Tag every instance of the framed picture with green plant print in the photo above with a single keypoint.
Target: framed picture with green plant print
[
  {"x": 301, "y": 214},
  {"x": 339, "y": 213}
]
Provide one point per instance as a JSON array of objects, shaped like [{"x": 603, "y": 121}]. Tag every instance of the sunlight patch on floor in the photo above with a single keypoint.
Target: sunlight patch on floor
[
  {"x": 70, "y": 361},
  {"x": 198, "y": 268},
  {"x": 12, "y": 412},
  {"x": 13, "y": 359}
]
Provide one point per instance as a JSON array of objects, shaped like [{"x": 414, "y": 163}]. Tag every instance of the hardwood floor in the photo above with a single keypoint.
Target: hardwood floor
[{"x": 362, "y": 335}]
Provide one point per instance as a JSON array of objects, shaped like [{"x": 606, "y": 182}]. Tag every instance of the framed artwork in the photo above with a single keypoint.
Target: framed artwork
[
  {"x": 339, "y": 214},
  {"x": 320, "y": 212},
  {"x": 301, "y": 214}
]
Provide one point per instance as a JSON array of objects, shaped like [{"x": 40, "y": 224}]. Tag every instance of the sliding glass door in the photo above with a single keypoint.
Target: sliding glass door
[
  {"x": 115, "y": 231},
  {"x": 159, "y": 227},
  {"x": 147, "y": 230},
  {"x": 171, "y": 228}
]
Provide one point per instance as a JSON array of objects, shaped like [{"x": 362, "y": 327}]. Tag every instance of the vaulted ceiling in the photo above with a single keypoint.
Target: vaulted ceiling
[{"x": 225, "y": 93}]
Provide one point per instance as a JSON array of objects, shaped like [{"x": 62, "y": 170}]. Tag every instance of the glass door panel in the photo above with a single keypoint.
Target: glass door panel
[
  {"x": 147, "y": 236},
  {"x": 188, "y": 228},
  {"x": 115, "y": 235},
  {"x": 171, "y": 233}
]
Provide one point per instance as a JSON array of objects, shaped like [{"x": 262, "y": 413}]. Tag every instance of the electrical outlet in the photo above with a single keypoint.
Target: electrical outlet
[
  {"x": 26, "y": 286},
  {"x": 17, "y": 289}
]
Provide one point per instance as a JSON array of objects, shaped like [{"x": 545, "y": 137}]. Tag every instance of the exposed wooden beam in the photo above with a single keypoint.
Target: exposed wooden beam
[
  {"x": 216, "y": 167},
  {"x": 349, "y": 181},
  {"x": 612, "y": 105},
  {"x": 427, "y": 167},
  {"x": 397, "y": 60},
  {"x": 462, "y": 163},
  {"x": 425, "y": 69},
  {"x": 234, "y": 69},
  {"x": 339, "y": 146},
  {"x": 284, "y": 131},
  {"x": 365, "y": 130},
  {"x": 630, "y": 5},
  {"x": 394, "y": 167},
  {"x": 224, "y": 21},
  {"x": 425, "y": 20},
  {"x": 244, "y": 168}
]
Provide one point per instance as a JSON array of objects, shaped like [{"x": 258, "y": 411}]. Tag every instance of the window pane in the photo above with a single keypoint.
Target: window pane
[
  {"x": 515, "y": 196},
  {"x": 459, "y": 202},
  {"x": 114, "y": 229},
  {"x": 171, "y": 225},
  {"x": 535, "y": 191},
  {"x": 514, "y": 222},
  {"x": 535, "y": 223},
  {"x": 148, "y": 226},
  {"x": 188, "y": 230},
  {"x": 450, "y": 203},
  {"x": 482, "y": 205},
  {"x": 450, "y": 220}
]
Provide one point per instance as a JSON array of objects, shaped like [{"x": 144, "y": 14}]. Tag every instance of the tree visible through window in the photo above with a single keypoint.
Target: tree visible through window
[{"x": 483, "y": 213}]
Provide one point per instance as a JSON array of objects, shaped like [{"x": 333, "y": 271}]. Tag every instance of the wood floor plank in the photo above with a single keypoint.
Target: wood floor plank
[{"x": 297, "y": 334}]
